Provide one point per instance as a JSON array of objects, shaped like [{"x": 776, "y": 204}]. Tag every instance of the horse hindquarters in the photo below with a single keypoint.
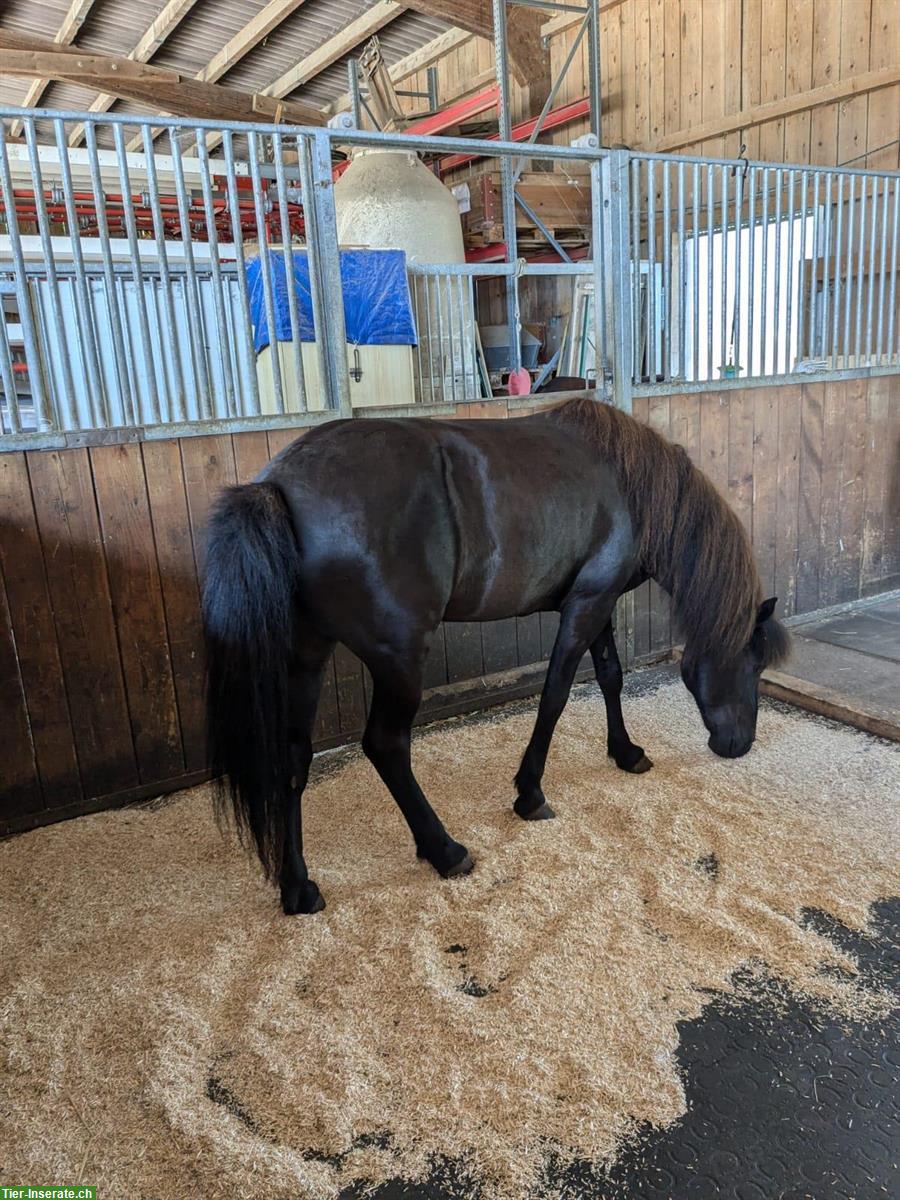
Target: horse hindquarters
[{"x": 263, "y": 679}]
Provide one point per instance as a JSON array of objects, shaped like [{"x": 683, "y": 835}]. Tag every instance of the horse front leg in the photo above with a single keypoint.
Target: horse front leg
[
  {"x": 608, "y": 670},
  {"x": 577, "y": 631}
]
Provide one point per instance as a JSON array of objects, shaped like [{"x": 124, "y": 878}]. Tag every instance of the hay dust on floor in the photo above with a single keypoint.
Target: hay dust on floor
[{"x": 166, "y": 1032}]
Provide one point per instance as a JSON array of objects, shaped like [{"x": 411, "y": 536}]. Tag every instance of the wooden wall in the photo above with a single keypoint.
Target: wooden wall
[
  {"x": 101, "y": 671},
  {"x": 667, "y": 65}
]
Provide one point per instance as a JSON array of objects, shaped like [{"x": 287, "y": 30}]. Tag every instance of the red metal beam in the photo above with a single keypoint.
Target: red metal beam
[
  {"x": 521, "y": 132},
  {"x": 496, "y": 252},
  {"x": 456, "y": 113}
]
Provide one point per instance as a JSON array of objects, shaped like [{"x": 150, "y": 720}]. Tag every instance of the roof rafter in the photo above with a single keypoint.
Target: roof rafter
[
  {"x": 65, "y": 35},
  {"x": 419, "y": 60},
  {"x": 153, "y": 37},
  {"x": 257, "y": 28},
  {"x": 341, "y": 43}
]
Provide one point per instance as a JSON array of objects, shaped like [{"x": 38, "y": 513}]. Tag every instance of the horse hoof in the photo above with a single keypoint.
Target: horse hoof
[
  {"x": 305, "y": 899},
  {"x": 463, "y": 867},
  {"x": 528, "y": 812},
  {"x": 643, "y": 764}
]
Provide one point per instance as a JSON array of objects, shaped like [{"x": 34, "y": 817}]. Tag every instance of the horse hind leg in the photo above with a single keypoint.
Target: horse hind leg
[
  {"x": 299, "y": 894},
  {"x": 396, "y": 694},
  {"x": 608, "y": 669}
]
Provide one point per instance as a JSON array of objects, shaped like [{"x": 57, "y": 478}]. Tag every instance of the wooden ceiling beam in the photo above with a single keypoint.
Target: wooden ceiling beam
[
  {"x": 65, "y": 35},
  {"x": 567, "y": 20},
  {"x": 241, "y": 44},
  {"x": 166, "y": 22},
  {"x": 360, "y": 30},
  {"x": 157, "y": 87},
  {"x": 528, "y": 58}
]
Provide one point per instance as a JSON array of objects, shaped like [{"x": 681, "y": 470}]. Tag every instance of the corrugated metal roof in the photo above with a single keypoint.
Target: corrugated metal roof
[{"x": 115, "y": 26}]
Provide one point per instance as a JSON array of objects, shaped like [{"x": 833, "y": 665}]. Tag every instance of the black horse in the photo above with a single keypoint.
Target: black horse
[{"x": 372, "y": 532}]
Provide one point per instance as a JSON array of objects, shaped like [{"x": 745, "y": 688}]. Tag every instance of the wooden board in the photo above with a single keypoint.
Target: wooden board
[{"x": 34, "y": 635}]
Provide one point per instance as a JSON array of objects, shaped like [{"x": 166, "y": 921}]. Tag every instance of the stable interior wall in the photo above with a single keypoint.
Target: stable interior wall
[{"x": 101, "y": 660}]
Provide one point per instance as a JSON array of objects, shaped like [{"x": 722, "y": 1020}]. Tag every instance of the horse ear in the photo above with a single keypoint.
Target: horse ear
[{"x": 766, "y": 609}]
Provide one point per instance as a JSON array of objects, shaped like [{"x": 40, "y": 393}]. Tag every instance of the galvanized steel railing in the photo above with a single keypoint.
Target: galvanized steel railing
[{"x": 706, "y": 270}]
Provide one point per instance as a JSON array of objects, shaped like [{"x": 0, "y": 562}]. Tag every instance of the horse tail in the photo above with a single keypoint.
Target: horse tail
[{"x": 249, "y": 588}]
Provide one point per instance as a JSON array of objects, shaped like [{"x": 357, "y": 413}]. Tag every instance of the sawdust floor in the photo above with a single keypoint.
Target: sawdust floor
[{"x": 165, "y": 1031}]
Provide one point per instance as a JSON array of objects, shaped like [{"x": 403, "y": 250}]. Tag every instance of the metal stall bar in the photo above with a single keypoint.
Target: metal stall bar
[
  {"x": 848, "y": 289},
  {"x": 219, "y": 301},
  {"x": 637, "y": 324},
  {"x": 764, "y": 274},
  {"x": 895, "y": 267},
  {"x": 595, "y": 100},
  {"x": 682, "y": 282},
  {"x": 143, "y": 320},
  {"x": 192, "y": 288},
  {"x": 618, "y": 326},
  {"x": 751, "y": 266},
  {"x": 651, "y": 272},
  {"x": 96, "y": 387},
  {"x": 790, "y": 271},
  {"x": 776, "y": 324},
  {"x": 710, "y": 201},
  {"x": 177, "y": 404},
  {"x": 879, "y": 337},
  {"x": 122, "y": 412},
  {"x": 23, "y": 294},
  {"x": 666, "y": 250},
  {"x": 802, "y": 340},
  {"x": 860, "y": 271},
  {"x": 838, "y": 273},
  {"x": 328, "y": 266},
  {"x": 262, "y": 234},
  {"x": 870, "y": 297},
  {"x": 827, "y": 259},
  {"x": 291, "y": 282},
  {"x": 696, "y": 269},
  {"x": 237, "y": 238},
  {"x": 738, "y": 256},
  {"x": 723, "y": 299},
  {"x": 815, "y": 250},
  {"x": 8, "y": 378},
  {"x": 67, "y": 403},
  {"x": 507, "y": 183}
]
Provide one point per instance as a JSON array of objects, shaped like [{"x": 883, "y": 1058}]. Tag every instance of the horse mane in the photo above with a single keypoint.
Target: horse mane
[{"x": 690, "y": 540}]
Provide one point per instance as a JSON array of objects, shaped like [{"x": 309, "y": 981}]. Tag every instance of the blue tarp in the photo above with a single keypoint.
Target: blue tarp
[{"x": 377, "y": 308}]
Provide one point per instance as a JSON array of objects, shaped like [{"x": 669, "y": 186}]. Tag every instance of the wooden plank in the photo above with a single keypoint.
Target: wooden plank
[
  {"x": 625, "y": 18},
  {"x": 567, "y": 19},
  {"x": 775, "y": 111},
  {"x": 672, "y": 68},
  {"x": 21, "y": 791},
  {"x": 66, "y": 34},
  {"x": 279, "y": 439},
  {"x": 788, "y": 499},
  {"x": 731, "y": 66},
  {"x": 765, "y": 483},
  {"x": 851, "y": 507},
  {"x": 798, "y": 77},
  {"x": 528, "y": 639},
  {"x": 208, "y": 466},
  {"x": 527, "y": 57},
  {"x": 640, "y": 84},
  {"x": 882, "y": 150},
  {"x": 66, "y": 512},
  {"x": 499, "y": 647},
  {"x": 772, "y": 76},
  {"x": 826, "y": 65},
  {"x": 22, "y": 567},
  {"x": 163, "y": 24},
  {"x": 830, "y": 508},
  {"x": 853, "y": 112},
  {"x": 713, "y": 457},
  {"x": 740, "y": 456},
  {"x": 810, "y": 496},
  {"x": 464, "y": 653},
  {"x": 251, "y": 453},
  {"x": 170, "y": 518},
  {"x": 349, "y": 692},
  {"x": 816, "y": 698},
  {"x": 611, "y": 72},
  {"x": 137, "y": 601},
  {"x": 751, "y": 68},
  {"x": 709, "y": 37},
  {"x": 877, "y": 479},
  {"x": 656, "y": 76}
]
